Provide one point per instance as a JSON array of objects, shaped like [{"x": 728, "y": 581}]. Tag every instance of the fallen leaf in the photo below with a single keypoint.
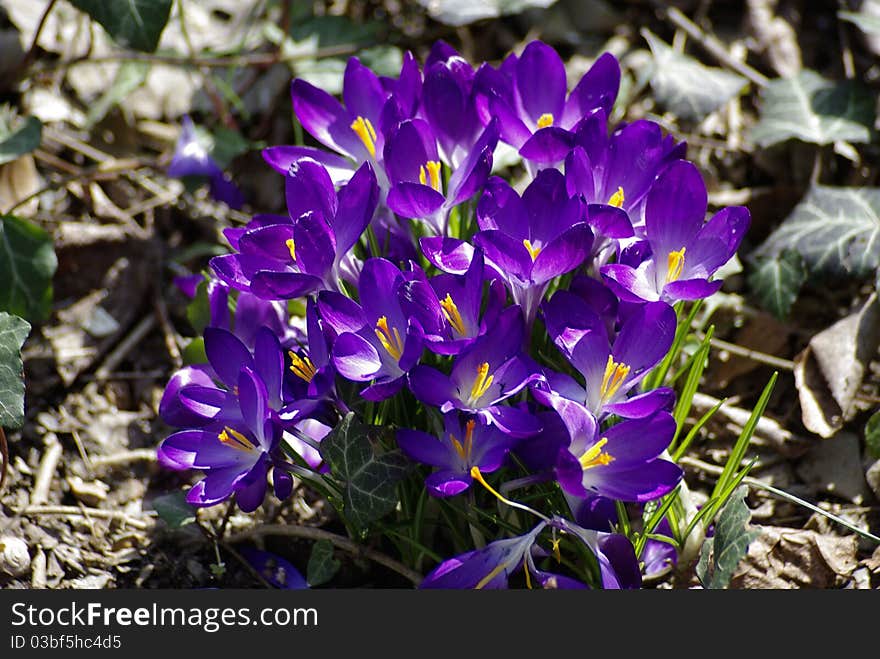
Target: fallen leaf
[
  {"x": 835, "y": 466},
  {"x": 829, "y": 371},
  {"x": 783, "y": 558}
]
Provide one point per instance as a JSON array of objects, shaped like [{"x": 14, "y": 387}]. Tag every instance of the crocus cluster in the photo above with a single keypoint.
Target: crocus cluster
[{"x": 514, "y": 319}]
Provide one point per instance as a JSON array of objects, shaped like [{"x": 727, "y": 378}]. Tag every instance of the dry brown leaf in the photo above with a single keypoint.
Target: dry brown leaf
[
  {"x": 829, "y": 371},
  {"x": 783, "y": 558},
  {"x": 19, "y": 179}
]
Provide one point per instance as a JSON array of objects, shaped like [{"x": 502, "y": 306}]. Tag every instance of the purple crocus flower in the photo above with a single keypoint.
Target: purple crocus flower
[
  {"x": 491, "y": 370},
  {"x": 659, "y": 556},
  {"x": 460, "y": 448},
  {"x": 460, "y": 297},
  {"x": 191, "y": 158},
  {"x": 354, "y": 131},
  {"x": 375, "y": 340},
  {"x": 684, "y": 252},
  {"x": 533, "y": 238},
  {"x": 621, "y": 462},
  {"x": 307, "y": 251},
  {"x": 275, "y": 569},
  {"x": 493, "y": 565},
  {"x": 610, "y": 370},
  {"x": 619, "y": 170},
  {"x": 234, "y": 455},
  {"x": 449, "y": 103},
  {"x": 415, "y": 171},
  {"x": 528, "y": 95}
]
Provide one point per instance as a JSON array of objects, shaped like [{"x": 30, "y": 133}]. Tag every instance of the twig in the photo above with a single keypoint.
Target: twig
[
  {"x": 144, "y": 327},
  {"x": 125, "y": 457},
  {"x": 38, "y": 570},
  {"x": 710, "y": 42},
  {"x": 311, "y": 533},
  {"x": 167, "y": 330},
  {"x": 754, "y": 355},
  {"x": 73, "y": 511},
  {"x": 46, "y": 470},
  {"x": 32, "y": 51}
]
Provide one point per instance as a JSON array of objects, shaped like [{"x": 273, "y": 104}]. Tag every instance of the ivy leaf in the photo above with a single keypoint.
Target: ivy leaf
[
  {"x": 13, "y": 332},
  {"x": 835, "y": 229},
  {"x": 729, "y": 545},
  {"x": 134, "y": 24},
  {"x": 872, "y": 436},
  {"x": 464, "y": 12},
  {"x": 23, "y": 140},
  {"x": 689, "y": 89},
  {"x": 809, "y": 108},
  {"x": 322, "y": 565},
  {"x": 27, "y": 264},
  {"x": 777, "y": 281},
  {"x": 368, "y": 474}
]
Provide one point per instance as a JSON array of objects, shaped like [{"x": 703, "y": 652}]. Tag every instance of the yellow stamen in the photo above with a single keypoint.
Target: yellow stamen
[
  {"x": 302, "y": 367},
  {"x": 450, "y": 310},
  {"x": 533, "y": 251},
  {"x": 482, "y": 382},
  {"x": 556, "y": 553},
  {"x": 528, "y": 576},
  {"x": 391, "y": 342},
  {"x": 545, "y": 120},
  {"x": 235, "y": 439},
  {"x": 464, "y": 450},
  {"x": 292, "y": 247},
  {"x": 477, "y": 475},
  {"x": 595, "y": 457},
  {"x": 364, "y": 130},
  {"x": 617, "y": 198},
  {"x": 429, "y": 174},
  {"x": 674, "y": 265},
  {"x": 494, "y": 573},
  {"x": 615, "y": 374}
]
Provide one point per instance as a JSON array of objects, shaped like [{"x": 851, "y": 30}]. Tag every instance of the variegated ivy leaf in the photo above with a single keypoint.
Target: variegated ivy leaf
[
  {"x": 835, "y": 229},
  {"x": 809, "y": 108},
  {"x": 687, "y": 88}
]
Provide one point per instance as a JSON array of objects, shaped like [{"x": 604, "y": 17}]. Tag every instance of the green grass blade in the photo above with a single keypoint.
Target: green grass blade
[
  {"x": 686, "y": 398},
  {"x": 692, "y": 434}
]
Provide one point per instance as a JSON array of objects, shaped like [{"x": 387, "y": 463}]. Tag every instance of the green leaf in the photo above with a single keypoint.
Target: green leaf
[
  {"x": 686, "y": 87},
  {"x": 13, "y": 332},
  {"x": 777, "y": 281},
  {"x": 198, "y": 311},
  {"x": 367, "y": 473},
  {"x": 27, "y": 264},
  {"x": 129, "y": 76},
  {"x": 174, "y": 510},
  {"x": 23, "y": 140},
  {"x": 835, "y": 229},
  {"x": 867, "y": 23},
  {"x": 322, "y": 565},
  {"x": 872, "y": 436},
  {"x": 809, "y": 108},
  {"x": 464, "y": 12},
  {"x": 729, "y": 545},
  {"x": 134, "y": 24}
]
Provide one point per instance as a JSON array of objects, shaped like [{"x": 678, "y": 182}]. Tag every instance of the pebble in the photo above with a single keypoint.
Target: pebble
[{"x": 15, "y": 559}]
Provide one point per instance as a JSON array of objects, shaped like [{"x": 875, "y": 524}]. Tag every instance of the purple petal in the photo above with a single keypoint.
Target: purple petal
[
  {"x": 447, "y": 483},
  {"x": 643, "y": 405},
  {"x": 284, "y": 285},
  {"x": 676, "y": 207},
  {"x": 540, "y": 81},
  {"x": 407, "y": 150},
  {"x": 563, "y": 254},
  {"x": 597, "y": 89},
  {"x": 431, "y": 386},
  {"x": 357, "y": 203},
  {"x": 281, "y": 157},
  {"x": 548, "y": 146},
  {"x": 447, "y": 254},
  {"x": 326, "y": 120},
  {"x": 424, "y": 448},
  {"x": 355, "y": 358},
  {"x": 309, "y": 189},
  {"x": 414, "y": 200},
  {"x": 227, "y": 354},
  {"x": 691, "y": 289},
  {"x": 361, "y": 91},
  {"x": 340, "y": 313}
]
